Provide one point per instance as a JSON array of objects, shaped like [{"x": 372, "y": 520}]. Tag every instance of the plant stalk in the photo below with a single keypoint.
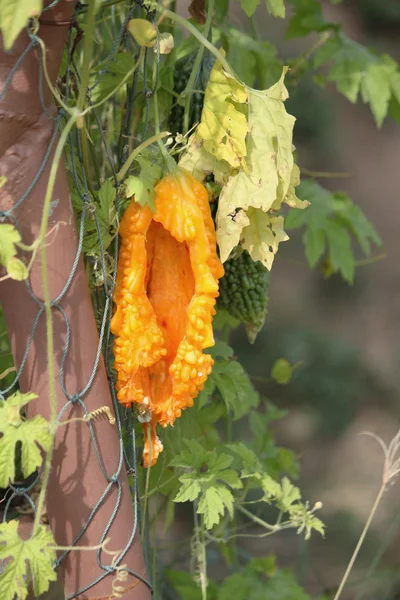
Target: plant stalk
[
  {"x": 132, "y": 157},
  {"x": 87, "y": 55},
  {"x": 49, "y": 320},
  {"x": 360, "y": 542}
]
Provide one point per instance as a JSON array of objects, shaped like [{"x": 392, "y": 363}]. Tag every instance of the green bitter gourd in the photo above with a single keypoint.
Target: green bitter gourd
[
  {"x": 244, "y": 292},
  {"x": 183, "y": 70}
]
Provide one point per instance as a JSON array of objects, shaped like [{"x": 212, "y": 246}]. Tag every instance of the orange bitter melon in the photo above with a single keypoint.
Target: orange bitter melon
[{"x": 165, "y": 293}]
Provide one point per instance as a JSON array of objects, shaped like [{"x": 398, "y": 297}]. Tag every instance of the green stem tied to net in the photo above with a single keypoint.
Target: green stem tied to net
[{"x": 49, "y": 320}]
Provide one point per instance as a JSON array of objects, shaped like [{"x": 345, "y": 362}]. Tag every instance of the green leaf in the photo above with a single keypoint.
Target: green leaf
[
  {"x": 31, "y": 561},
  {"x": 9, "y": 237},
  {"x": 213, "y": 503},
  {"x": 234, "y": 386},
  {"x": 223, "y": 127},
  {"x": 261, "y": 580},
  {"x": 236, "y": 586},
  {"x": 355, "y": 220},
  {"x": 249, "y": 6},
  {"x": 276, "y": 8},
  {"x": 282, "y": 371},
  {"x": 187, "y": 588},
  {"x": 221, "y": 10},
  {"x": 142, "y": 185},
  {"x": 376, "y": 89},
  {"x": 106, "y": 227},
  {"x": 31, "y": 433},
  {"x": 275, "y": 460},
  {"x": 314, "y": 244},
  {"x": 209, "y": 479},
  {"x": 189, "y": 490},
  {"x": 287, "y": 498},
  {"x": 329, "y": 221},
  {"x": 255, "y": 61},
  {"x": 307, "y": 18},
  {"x": 221, "y": 350},
  {"x": 106, "y": 211},
  {"x": 14, "y": 17},
  {"x": 355, "y": 69},
  {"x": 17, "y": 270},
  {"x": 111, "y": 79},
  {"x": 340, "y": 251},
  {"x": 246, "y": 460},
  {"x": 134, "y": 186}
]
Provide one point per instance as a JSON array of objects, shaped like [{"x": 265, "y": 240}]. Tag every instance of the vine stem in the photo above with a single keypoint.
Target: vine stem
[
  {"x": 272, "y": 528},
  {"x": 132, "y": 157},
  {"x": 169, "y": 162},
  {"x": 85, "y": 158},
  {"x": 360, "y": 541},
  {"x": 87, "y": 55},
  {"x": 147, "y": 482},
  {"x": 196, "y": 66},
  {"x": 189, "y": 27},
  {"x": 321, "y": 40},
  {"x": 203, "y": 568},
  {"x": 49, "y": 320}
]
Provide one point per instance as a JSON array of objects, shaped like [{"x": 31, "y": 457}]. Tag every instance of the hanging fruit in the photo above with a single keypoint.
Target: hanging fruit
[
  {"x": 244, "y": 292},
  {"x": 165, "y": 293}
]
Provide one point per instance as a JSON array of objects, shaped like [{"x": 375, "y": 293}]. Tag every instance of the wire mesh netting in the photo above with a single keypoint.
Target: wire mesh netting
[{"x": 114, "y": 148}]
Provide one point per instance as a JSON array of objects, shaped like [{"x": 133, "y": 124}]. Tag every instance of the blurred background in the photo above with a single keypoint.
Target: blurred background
[{"x": 347, "y": 338}]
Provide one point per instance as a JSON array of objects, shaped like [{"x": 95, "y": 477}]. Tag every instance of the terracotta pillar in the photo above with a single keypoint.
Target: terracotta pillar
[{"x": 77, "y": 483}]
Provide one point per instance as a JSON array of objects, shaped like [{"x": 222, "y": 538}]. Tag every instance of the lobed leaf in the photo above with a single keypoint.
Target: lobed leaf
[
  {"x": 33, "y": 434},
  {"x": 30, "y": 562}
]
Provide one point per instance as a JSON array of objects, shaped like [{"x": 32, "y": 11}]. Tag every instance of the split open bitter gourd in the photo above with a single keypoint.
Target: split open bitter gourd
[{"x": 165, "y": 293}]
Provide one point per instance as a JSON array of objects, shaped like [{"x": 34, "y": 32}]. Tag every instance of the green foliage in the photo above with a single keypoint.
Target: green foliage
[
  {"x": 31, "y": 433},
  {"x": 259, "y": 579},
  {"x": 329, "y": 223},
  {"x": 142, "y": 184},
  {"x": 276, "y": 8},
  {"x": 243, "y": 292},
  {"x": 29, "y": 563},
  {"x": 100, "y": 224},
  {"x": 356, "y": 70},
  {"x": 307, "y": 17},
  {"x": 230, "y": 380},
  {"x": 208, "y": 479},
  {"x": 255, "y": 61},
  {"x": 10, "y": 240}
]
